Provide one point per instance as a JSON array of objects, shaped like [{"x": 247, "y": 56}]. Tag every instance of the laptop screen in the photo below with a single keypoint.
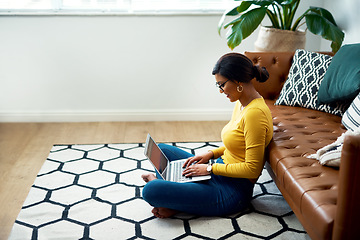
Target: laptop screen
[{"x": 155, "y": 155}]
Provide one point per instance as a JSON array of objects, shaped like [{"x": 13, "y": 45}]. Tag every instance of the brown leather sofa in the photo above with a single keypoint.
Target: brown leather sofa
[{"x": 325, "y": 200}]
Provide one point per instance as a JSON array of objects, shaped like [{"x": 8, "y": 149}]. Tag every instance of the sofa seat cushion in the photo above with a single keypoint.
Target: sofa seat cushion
[{"x": 312, "y": 187}]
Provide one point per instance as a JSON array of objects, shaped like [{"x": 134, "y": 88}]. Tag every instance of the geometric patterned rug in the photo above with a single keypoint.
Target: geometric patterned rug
[{"x": 94, "y": 192}]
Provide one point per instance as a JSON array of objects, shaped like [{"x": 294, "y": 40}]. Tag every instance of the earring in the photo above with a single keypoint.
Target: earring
[{"x": 238, "y": 88}]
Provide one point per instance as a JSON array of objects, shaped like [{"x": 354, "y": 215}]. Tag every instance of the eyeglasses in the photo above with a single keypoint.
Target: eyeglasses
[{"x": 221, "y": 86}]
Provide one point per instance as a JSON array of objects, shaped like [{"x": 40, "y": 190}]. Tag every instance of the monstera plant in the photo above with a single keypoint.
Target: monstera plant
[{"x": 249, "y": 15}]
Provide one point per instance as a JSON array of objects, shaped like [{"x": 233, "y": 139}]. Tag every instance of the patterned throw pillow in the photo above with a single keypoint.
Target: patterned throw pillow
[
  {"x": 304, "y": 79},
  {"x": 351, "y": 118}
]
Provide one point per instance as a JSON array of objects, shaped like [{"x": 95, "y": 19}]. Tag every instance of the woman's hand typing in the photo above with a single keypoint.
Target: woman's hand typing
[
  {"x": 196, "y": 166},
  {"x": 196, "y": 170},
  {"x": 199, "y": 159}
]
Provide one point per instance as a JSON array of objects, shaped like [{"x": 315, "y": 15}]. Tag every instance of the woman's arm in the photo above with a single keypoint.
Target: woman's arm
[
  {"x": 218, "y": 152},
  {"x": 196, "y": 166},
  {"x": 199, "y": 159}
]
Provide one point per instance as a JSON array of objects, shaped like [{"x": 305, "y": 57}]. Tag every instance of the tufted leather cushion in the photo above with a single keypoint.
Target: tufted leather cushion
[{"x": 310, "y": 187}]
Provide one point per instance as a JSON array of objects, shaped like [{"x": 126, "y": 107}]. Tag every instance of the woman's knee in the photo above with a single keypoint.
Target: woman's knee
[
  {"x": 163, "y": 146},
  {"x": 173, "y": 152}
]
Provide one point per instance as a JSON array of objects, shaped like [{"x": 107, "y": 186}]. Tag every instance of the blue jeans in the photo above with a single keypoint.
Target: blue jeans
[{"x": 215, "y": 197}]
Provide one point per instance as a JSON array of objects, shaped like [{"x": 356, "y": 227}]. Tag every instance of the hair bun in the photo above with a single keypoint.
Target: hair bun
[{"x": 260, "y": 73}]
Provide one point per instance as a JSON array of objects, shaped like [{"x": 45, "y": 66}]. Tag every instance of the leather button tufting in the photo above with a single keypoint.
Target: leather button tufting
[{"x": 275, "y": 60}]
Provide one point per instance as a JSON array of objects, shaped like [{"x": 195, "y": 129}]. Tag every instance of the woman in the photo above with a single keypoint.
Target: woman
[{"x": 238, "y": 163}]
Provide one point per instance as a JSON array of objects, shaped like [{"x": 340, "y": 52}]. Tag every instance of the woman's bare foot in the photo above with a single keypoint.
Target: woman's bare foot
[
  {"x": 161, "y": 212},
  {"x": 148, "y": 177}
]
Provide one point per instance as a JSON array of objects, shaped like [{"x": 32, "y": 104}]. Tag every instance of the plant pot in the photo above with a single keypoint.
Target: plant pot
[{"x": 277, "y": 40}]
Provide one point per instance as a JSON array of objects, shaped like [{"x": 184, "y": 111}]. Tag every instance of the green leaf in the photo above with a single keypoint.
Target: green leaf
[
  {"x": 232, "y": 12},
  {"x": 273, "y": 18},
  {"x": 243, "y": 26},
  {"x": 320, "y": 25},
  {"x": 335, "y": 46},
  {"x": 261, "y": 3},
  {"x": 286, "y": 2},
  {"x": 325, "y": 13},
  {"x": 243, "y": 6},
  {"x": 294, "y": 6}
]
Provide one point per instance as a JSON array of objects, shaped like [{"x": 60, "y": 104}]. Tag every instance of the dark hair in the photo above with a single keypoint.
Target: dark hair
[{"x": 237, "y": 67}]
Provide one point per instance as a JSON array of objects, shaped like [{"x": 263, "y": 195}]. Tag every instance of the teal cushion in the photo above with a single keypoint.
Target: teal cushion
[{"x": 342, "y": 79}]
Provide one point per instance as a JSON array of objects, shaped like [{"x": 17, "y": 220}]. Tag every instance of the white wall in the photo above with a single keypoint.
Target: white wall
[
  {"x": 108, "y": 67},
  {"x": 113, "y": 68}
]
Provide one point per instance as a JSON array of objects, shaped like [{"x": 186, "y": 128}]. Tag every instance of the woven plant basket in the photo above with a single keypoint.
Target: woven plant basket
[{"x": 277, "y": 40}]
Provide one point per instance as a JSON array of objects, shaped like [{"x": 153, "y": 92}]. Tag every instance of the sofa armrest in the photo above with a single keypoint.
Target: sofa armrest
[
  {"x": 347, "y": 224},
  {"x": 278, "y": 65}
]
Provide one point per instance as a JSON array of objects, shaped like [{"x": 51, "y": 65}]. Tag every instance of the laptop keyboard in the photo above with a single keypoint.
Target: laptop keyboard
[{"x": 178, "y": 169}]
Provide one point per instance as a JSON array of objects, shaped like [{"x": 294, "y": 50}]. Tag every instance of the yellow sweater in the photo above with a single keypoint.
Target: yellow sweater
[{"x": 245, "y": 138}]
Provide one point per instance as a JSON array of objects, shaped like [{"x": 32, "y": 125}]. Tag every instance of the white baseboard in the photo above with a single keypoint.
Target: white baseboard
[{"x": 115, "y": 116}]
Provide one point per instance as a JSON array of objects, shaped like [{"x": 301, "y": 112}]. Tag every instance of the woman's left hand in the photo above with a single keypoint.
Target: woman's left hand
[{"x": 196, "y": 170}]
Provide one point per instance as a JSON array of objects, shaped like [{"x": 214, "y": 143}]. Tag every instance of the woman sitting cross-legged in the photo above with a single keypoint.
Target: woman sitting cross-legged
[{"x": 239, "y": 162}]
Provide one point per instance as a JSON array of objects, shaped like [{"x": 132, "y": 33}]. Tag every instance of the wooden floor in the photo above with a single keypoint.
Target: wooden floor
[{"x": 25, "y": 146}]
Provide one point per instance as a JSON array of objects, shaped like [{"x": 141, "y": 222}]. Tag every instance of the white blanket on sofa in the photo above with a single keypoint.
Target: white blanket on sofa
[{"x": 330, "y": 155}]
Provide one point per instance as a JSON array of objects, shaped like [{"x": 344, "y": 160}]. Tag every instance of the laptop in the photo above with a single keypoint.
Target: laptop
[{"x": 170, "y": 171}]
